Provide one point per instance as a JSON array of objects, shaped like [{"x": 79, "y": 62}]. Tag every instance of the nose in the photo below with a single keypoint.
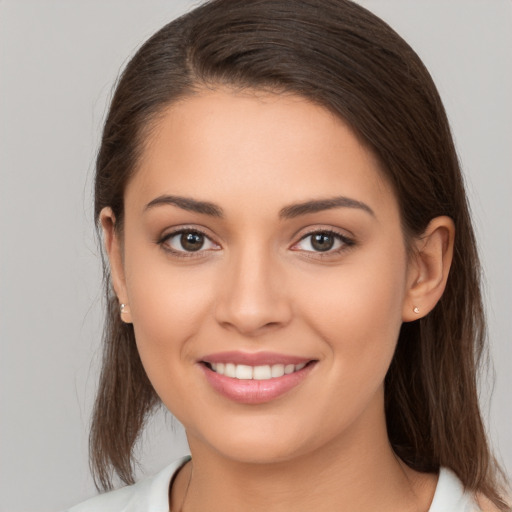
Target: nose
[{"x": 253, "y": 298}]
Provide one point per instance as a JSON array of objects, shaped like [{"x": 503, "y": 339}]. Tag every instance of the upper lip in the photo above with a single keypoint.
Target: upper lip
[{"x": 253, "y": 358}]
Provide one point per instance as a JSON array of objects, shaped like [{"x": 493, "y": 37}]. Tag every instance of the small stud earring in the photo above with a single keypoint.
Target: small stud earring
[
  {"x": 124, "y": 311},
  {"x": 416, "y": 309}
]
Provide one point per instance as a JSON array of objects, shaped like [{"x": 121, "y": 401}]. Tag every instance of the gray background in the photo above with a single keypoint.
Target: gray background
[{"x": 58, "y": 61}]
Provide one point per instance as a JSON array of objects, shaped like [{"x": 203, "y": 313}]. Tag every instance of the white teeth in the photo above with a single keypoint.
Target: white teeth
[
  {"x": 289, "y": 368},
  {"x": 229, "y": 370},
  {"x": 243, "y": 372},
  {"x": 264, "y": 372},
  {"x": 277, "y": 370}
]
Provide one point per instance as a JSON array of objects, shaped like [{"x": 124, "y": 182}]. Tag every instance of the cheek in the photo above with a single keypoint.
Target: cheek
[
  {"x": 358, "y": 313},
  {"x": 169, "y": 305}
]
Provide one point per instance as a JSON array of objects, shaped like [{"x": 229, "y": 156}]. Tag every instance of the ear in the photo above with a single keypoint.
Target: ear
[
  {"x": 113, "y": 246},
  {"x": 429, "y": 266}
]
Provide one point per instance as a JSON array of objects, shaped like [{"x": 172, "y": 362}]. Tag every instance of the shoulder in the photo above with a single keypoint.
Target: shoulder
[{"x": 148, "y": 494}]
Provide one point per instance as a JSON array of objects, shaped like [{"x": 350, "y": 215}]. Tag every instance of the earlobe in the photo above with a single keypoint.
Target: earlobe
[
  {"x": 115, "y": 256},
  {"x": 428, "y": 268}
]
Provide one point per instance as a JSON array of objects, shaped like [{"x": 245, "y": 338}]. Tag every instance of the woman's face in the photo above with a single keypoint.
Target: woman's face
[{"x": 259, "y": 236}]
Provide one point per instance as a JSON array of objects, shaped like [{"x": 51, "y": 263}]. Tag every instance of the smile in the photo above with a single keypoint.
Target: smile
[
  {"x": 263, "y": 372},
  {"x": 254, "y": 379}
]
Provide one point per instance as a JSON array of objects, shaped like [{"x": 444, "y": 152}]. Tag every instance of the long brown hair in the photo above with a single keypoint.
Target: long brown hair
[{"x": 338, "y": 55}]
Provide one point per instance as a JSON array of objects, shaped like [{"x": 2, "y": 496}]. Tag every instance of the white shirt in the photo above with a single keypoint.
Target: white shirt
[{"x": 152, "y": 495}]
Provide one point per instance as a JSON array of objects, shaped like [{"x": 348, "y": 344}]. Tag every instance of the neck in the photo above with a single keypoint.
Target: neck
[{"x": 358, "y": 471}]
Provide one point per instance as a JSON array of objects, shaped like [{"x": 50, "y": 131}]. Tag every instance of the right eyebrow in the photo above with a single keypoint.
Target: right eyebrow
[{"x": 187, "y": 203}]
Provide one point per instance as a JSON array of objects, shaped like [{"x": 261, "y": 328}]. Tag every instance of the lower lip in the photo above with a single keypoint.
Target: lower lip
[{"x": 255, "y": 391}]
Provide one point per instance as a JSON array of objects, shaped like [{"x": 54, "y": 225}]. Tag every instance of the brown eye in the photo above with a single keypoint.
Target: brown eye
[
  {"x": 322, "y": 241},
  {"x": 192, "y": 241},
  {"x": 188, "y": 241}
]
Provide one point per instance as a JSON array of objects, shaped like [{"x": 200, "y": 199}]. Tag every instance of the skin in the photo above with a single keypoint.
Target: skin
[{"x": 259, "y": 285}]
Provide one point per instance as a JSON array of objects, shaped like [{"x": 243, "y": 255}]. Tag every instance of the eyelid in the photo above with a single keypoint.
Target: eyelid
[
  {"x": 346, "y": 241},
  {"x": 186, "y": 254}
]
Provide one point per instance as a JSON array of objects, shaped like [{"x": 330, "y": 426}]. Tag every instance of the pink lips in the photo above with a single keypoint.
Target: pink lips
[
  {"x": 251, "y": 391},
  {"x": 253, "y": 359}
]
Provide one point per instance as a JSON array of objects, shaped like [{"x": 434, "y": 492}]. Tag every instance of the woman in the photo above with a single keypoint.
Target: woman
[{"x": 293, "y": 271}]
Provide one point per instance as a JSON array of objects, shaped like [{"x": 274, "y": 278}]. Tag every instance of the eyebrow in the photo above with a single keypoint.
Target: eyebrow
[
  {"x": 318, "y": 205},
  {"x": 288, "y": 212},
  {"x": 187, "y": 203}
]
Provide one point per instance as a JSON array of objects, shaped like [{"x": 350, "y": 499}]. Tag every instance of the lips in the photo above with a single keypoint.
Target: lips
[
  {"x": 254, "y": 378},
  {"x": 253, "y": 359}
]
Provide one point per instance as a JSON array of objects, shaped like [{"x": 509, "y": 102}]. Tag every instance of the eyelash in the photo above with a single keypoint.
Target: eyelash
[
  {"x": 345, "y": 241},
  {"x": 184, "y": 254}
]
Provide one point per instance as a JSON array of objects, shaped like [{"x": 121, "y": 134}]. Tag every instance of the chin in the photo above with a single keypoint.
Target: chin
[{"x": 250, "y": 441}]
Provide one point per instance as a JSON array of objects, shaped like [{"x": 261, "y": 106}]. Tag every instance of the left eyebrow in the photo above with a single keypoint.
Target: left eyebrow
[{"x": 318, "y": 205}]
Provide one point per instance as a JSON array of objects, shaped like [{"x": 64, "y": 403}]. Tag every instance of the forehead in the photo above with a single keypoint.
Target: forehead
[{"x": 275, "y": 148}]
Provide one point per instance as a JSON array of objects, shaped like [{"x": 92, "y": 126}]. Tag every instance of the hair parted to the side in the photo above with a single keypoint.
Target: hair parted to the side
[{"x": 338, "y": 55}]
